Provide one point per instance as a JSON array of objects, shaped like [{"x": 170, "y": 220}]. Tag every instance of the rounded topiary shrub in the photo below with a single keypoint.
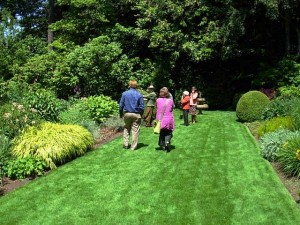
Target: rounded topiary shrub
[
  {"x": 54, "y": 143},
  {"x": 251, "y": 106}
]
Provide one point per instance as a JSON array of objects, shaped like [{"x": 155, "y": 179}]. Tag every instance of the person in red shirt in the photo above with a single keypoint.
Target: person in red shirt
[{"x": 185, "y": 105}]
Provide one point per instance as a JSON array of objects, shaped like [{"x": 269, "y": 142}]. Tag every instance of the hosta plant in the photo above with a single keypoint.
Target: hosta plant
[
  {"x": 54, "y": 143},
  {"x": 273, "y": 141},
  {"x": 21, "y": 168}
]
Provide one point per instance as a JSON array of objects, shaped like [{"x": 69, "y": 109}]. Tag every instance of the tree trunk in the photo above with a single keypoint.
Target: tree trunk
[
  {"x": 287, "y": 20},
  {"x": 298, "y": 39},
  {"x": 51, "y": 18}
]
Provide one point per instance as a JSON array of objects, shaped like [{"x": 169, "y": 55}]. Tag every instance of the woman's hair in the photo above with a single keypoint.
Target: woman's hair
[
  {"x": 194, "y": 88},
  {"x": 133, "y": 84},
  {"x": 164, "y": 93}
]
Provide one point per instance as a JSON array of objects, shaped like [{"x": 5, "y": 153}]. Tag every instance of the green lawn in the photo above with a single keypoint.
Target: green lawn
[{"x": 213, "y": 175}]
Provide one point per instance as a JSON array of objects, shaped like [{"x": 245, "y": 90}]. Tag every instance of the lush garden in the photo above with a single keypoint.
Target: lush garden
[
  {"x": 40, "y": 132},
  {"x": 276, "y": 125},
  {"x": 64, "y": 65}
]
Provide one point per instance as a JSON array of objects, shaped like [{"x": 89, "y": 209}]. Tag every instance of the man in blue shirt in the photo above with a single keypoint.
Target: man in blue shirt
[{"x": 132, "y": 105}]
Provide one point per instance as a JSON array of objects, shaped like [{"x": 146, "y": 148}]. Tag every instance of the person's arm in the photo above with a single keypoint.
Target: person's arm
[
  {"x": 173, "y": 105},
  {"x": 141, "y": 105},
  {"x": 122, "y": 103},
  {"x": 195, "y": 95},
  {"x": 184, "y": 100}
]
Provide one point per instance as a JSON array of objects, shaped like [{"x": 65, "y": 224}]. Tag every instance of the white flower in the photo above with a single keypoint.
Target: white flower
[{"x": 7, "y": 115}]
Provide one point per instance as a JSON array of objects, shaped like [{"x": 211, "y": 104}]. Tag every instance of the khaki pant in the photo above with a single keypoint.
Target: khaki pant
[
  {"x": 132, "y": 125},
  {"x": 148, "y": 116}
]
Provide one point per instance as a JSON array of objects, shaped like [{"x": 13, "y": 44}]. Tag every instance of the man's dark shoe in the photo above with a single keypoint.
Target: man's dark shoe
[{"x": 126, "y": 147}]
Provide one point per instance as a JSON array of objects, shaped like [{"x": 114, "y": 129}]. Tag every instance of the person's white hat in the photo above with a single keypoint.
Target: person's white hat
[
  {"x": 151, "y": 87},
  {"x": 186, "y": 93}
]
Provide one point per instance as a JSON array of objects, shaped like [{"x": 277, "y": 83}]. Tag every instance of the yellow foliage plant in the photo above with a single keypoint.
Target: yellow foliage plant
[{"x": 54, "y": 143}]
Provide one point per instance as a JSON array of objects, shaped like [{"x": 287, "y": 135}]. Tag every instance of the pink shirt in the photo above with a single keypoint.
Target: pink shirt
[
  {"x": 167, "y": 121},
  {"x": 193, "y": 98}
]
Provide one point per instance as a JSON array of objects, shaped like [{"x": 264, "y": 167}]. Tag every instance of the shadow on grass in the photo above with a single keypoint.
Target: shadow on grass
[
  {"x": 141, "y": 145},
  {"x": 172, "y": 147}
]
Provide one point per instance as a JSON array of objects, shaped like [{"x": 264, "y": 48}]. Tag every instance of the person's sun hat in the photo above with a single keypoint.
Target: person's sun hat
[
  {"x": 151, "y": 87},
  {"x": 186, "y": 93}
]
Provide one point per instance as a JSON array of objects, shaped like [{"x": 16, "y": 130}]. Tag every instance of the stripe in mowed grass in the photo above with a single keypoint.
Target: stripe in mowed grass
[{"x": 213, "y": 175}]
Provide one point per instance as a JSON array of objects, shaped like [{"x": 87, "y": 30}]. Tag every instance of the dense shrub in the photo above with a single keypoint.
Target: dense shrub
[
  {"x": 287, "y": 92},
  {"x": 289, "y": 157},
  {"x": 76, "y": 114},
  {"x": 273, "y": 141},
  {"x": 15, "y": 90},
  {"x": 277, "y": 107},
  {"x": 45, "y": 102},
  {"x": 92, "y": 127},
  {"x": 14, "y": 117},
  {"x": 101, "y": 107},
  {"x": 284, "y": 73},
  {"x": 275, "y": 124},
  {"x": 281, "y": 107},
  {"x": 4, "y": 155},
  {"x": 54, "y": 143},
  {"x": 115, "y": 123},
  {"x": 295, "y": 114},
  {"x": 251, "y": 105},
  {"x": 21, "y": 168}
]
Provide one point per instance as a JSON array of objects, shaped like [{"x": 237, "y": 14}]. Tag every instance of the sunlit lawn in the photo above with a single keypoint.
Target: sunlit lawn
[{"x": 213, "y": 175}]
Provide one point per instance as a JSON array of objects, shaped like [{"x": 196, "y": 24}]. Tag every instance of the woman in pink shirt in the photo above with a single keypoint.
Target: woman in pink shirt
[
  {"x": 164, "y": 113},
  {"x": 193, "y": 104}
]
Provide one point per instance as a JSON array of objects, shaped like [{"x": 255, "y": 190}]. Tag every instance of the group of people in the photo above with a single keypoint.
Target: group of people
[
  {"x": 189, "y": 105},
  {"x": 133, "y": 107}
]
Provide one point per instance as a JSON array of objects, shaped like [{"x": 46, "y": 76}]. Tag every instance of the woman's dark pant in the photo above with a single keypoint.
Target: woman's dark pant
[
  {"x": 165, "y": 136},
  {"x": 186, "y": 117}
]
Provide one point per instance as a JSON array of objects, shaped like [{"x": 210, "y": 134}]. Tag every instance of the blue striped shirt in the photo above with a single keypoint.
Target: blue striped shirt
[{"x": 132, "y": 101}]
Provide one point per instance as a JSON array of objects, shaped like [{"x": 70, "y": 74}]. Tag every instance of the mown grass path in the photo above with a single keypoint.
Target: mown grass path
[{"x": 214, "y": 175}]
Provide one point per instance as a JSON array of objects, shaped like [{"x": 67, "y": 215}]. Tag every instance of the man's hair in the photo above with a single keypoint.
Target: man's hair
[
  {"x": 164, "y": 93},
  {"x": 133, "y": 84}
]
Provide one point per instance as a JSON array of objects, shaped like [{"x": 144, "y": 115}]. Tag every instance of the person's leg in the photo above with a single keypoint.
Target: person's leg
[
  {"x": 168, "y": 136},
  {"x": 161, "y": 140},
  {"x": 147, "y": 116},
  {"x": 151, "y": 109},
  {"x": 127, "y": 129},
  {"x": 136, "y": 126},
  {"x": 186, "y": 117},
  {"x": 193, "y": 113}
]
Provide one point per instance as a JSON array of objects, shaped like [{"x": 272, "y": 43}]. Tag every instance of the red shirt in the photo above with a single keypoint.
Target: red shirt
[{"x": 185, "y": 102}]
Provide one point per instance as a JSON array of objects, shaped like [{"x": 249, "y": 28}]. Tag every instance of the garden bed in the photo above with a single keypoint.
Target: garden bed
[
  {"x": 292, "y": 184},
  {"x": 106, "y": 135}
]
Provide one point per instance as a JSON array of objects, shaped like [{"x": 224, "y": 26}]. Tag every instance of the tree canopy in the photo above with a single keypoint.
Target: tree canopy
[{"x": 222, "y": 47}]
